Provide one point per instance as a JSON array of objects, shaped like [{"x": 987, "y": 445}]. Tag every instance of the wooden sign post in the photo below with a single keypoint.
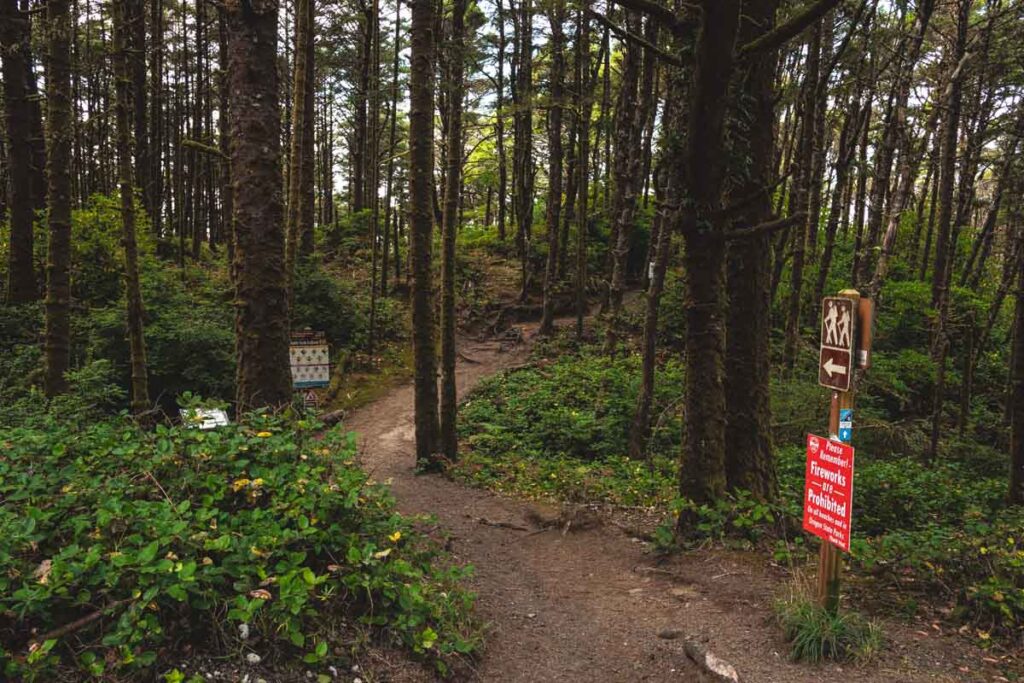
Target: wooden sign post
[{"x": 844, "y": 348}]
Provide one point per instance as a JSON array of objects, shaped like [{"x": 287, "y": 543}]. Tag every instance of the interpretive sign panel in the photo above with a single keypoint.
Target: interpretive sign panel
[{"x": 310, "y": 360}]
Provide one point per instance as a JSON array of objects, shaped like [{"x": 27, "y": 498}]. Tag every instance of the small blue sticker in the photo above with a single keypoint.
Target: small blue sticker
[{"x": 845, "y": 425}]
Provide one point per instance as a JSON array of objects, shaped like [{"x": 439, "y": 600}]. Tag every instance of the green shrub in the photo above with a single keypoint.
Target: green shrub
[
  {"x": 173, "y": 531},
  {"x": 577, "y": 408}
]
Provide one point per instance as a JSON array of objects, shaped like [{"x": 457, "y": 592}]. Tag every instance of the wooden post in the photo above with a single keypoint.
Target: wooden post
[{"x": 830, "y": 558}]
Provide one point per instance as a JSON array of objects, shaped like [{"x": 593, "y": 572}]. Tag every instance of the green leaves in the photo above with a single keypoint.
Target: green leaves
[{"x": 151, "y": 528}]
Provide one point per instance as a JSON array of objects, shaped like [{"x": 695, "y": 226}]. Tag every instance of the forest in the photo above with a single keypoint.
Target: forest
[{"x": 608, "y": 292}]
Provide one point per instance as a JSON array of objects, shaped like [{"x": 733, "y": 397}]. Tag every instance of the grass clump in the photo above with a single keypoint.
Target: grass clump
[{"x": 817, "y": 634}]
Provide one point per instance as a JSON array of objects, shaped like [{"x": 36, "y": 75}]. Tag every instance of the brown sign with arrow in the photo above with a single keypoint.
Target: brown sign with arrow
[{"x": 835, "y": 360}]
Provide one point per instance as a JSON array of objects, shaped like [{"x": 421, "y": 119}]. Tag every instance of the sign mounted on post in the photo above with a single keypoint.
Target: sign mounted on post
[
  {"x": 310, "y": 360},
  {"x": 828, "y": 490},
  {"x": 835, "y": 360}
]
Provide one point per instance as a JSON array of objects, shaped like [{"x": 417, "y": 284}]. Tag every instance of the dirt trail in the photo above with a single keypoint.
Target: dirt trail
[{"x": 586, "y": 606}]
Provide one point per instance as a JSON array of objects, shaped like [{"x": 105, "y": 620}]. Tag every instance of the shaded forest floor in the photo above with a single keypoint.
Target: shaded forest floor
[{"x": 594, "y": 604}]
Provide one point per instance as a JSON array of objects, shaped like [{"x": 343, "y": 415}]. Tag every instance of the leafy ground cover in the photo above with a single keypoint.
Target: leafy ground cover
[
  {"x": 123, "y": 548},
  {"x": 929, "y": 532}
]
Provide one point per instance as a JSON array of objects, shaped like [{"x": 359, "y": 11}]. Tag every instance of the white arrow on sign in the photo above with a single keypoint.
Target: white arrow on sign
[{"x": 831, "y": 368}]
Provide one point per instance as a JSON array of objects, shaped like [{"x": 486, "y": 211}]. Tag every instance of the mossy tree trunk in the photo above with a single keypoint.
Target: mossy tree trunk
[
  {"x": 450, "y": 226},
  {"x": 585, "y": 105},
  {"x": 261, "y": 297},
  {"x": 421, "y": 228},
  {"x": 556, "y": 17},
  {"x": 14, "y": 48},
  {"x": 123, "y": 81},
  {"x": 749, "y": 462},
  {"x": 302, "y": 84},
  {"x": 629, "y": 118},
  {"x": 702, "y": 466},
  {"x": 57, "y": 337}
]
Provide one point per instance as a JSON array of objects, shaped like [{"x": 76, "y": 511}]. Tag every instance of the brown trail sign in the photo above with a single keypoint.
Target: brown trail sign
[{"x": 835, "y": 360}]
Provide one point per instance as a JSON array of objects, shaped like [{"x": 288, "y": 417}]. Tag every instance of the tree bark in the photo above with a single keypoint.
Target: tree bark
[
  {"x": 582, "y": 197},
  {"x": 1015, "y": 494},
  {"x": 556, "y": 16},
  {"x": 302, "y": 85},
  {"x": 124, "y": 74},
  {"x": 702, "y": 476},
  {"x": 630, "y": 115},
  {"x": 421, "y": 226},
  {"x": 943, "y": 245},
  {"x": 522, "y": 167},
  {"x": 499, "y": 125},
  {"x": 261, "y": 299},
  {"x": 453, "y": 184},
  {"x": 749, "y": 461},
  {"x": 14, "y": 47},
  {"x": 665, "y": 200},
  {"x": 803, "y": 198},
  {"x": 57, "y": 337},
  {"x": 136, "y": 42}
]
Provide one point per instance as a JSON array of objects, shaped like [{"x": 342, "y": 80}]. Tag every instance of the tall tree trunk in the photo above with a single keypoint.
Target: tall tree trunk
[
  {"x": 749, "y": 463},
  {"x": 1015, "y": 495},
  {"x": 802, "y": 198},
  {"x": 862, "y": 187},
  {"x": 156, "y": 118},
  {"x": 302, "y": 83},
  {"x": 373, "y": 167},
  {"x": 14, "y": 48},
  {"x": 136, "y": 41},
  {"x": 665, "y": 200},
  {"x": 582, "y": 197},
  {"x": 224, "y": 144},
  {"x": 261, "y": 299},
  {"x": 499, "y": 125},
  {"x": 392, "y": 141},
  {"x": 124, "y": 81},
  {"x": 307, "y": 186},
  {"x": 943, "y": 248},
  {"x": 57, "y": 343},
  {"x": 556, "y": 16},
  {"x": 421, "y": 226},
  {"x": 844, "y": 158},
  {"x": 895, "y": 123},
  {"x": 522, "y": 168},
  {"x": 37, "y": 139},
  {"x": 450, "y": 226},
  {"x": 630, "y": 115},
  {"x": 702, "y": 467},
  {"x": 360, "y": 132}
]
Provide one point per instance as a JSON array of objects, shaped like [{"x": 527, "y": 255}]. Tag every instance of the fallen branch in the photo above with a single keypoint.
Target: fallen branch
[
  {"x": 75, "y": 625},
  {"x": 501, "y": 525}
]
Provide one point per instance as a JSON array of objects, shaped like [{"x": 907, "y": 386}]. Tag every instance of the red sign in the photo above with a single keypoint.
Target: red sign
[{"x": 828, "y": 490}]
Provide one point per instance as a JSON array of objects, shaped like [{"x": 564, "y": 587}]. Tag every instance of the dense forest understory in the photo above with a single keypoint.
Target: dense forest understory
[{"x": 568, "y": 259}]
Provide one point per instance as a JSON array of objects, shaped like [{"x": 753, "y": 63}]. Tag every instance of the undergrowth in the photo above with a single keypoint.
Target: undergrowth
[
  {"x": 122, "y": 546},
  {"x": 558, "y": 430}
]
